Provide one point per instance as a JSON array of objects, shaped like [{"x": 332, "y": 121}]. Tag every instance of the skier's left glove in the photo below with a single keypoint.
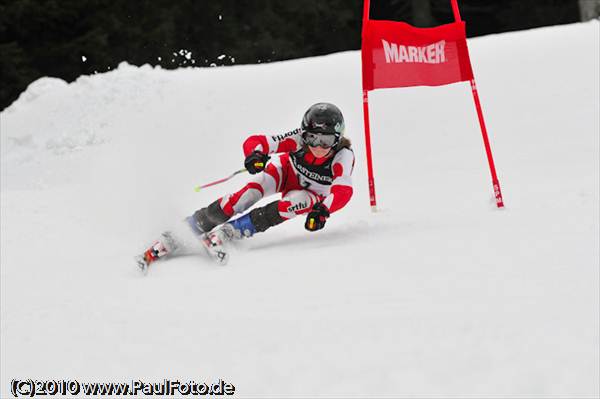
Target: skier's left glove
[
  {"x": 256, "y": 162},
  {"x": 316, "y": 218}
]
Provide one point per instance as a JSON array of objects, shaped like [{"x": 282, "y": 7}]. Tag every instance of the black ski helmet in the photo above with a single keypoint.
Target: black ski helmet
[{"x": 324, "y": 118}]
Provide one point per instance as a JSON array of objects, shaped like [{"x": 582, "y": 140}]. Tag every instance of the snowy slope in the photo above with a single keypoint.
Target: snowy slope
[{"x": 438, "y": 294}]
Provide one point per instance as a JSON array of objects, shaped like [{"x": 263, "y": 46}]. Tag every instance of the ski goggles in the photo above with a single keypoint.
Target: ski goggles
[{"x": 319, "y": 139}]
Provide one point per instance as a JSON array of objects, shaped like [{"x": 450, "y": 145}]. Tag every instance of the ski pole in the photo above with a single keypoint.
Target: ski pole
[{"x": 198, "y": 188}]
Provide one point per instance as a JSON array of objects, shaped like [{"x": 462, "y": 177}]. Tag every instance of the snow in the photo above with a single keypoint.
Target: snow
[{"x": 437, "y": 294}]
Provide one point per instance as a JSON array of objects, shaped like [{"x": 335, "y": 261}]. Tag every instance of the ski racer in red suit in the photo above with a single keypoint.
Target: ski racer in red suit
[{"x": 311, "y": 167}]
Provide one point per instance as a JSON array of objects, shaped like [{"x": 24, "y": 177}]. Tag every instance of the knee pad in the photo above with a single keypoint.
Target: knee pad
[
  {"x": 266, "y": 216},
  {"x": 210, "y": 217}
]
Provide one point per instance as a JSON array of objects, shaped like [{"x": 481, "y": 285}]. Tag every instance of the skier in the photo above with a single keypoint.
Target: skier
[{"x": 310, "y": 166}]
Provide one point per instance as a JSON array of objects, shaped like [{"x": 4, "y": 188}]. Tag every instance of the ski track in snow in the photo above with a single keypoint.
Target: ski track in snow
[{"x": 437, "y": 294}]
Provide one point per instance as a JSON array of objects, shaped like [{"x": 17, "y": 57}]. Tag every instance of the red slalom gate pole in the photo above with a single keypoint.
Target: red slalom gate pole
[
  {"x": 372, "y": 197},
  {"x": 455, "y": 10},
  {"x": 486, "y": 141}
]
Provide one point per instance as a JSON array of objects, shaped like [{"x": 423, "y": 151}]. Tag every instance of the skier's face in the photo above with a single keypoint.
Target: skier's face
[{"x": 319, "y": 152}]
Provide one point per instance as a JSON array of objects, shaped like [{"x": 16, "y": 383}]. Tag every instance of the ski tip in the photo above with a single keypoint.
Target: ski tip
[
  {"x": 197, "y": 188},
  {"x": 222, "y": 258},
  {"x": 142, "y": 265}
]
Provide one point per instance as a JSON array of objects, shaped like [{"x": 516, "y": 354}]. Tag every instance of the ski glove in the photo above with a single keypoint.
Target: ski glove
[
  {"x": 317, "y": 217},
  {"x": 256, "y": 162}
]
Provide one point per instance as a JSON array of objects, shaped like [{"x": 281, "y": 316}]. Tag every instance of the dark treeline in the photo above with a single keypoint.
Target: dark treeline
[{"x": 69, "y": 38}]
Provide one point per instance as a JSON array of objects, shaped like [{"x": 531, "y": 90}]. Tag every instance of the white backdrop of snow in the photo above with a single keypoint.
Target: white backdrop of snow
[{"x": 438, "y": 294}]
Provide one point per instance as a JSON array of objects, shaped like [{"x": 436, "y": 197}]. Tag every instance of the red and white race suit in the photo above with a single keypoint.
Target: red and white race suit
[{"x": 300, "y": 177}]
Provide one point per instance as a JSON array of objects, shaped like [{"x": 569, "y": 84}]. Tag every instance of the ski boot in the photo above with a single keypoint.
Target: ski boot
[
  {"x": 213, "y": 241},
  {"x": 159, "y": 249},
  {"x": 203, "y": 223}
]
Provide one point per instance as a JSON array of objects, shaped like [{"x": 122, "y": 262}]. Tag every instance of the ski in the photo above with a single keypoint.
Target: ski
[{"x": 142, "y": 264}]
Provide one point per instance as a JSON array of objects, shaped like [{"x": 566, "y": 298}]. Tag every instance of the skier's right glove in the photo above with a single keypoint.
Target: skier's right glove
[{"x": 256, "y": 162}]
